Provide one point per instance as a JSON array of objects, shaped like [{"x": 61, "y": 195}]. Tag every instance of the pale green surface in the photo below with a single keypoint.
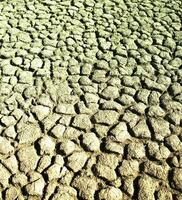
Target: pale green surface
[{"x": 90, "y": 99}]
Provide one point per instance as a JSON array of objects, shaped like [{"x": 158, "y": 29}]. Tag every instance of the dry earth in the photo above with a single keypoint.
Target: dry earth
[{"x": 90, "y": 100}]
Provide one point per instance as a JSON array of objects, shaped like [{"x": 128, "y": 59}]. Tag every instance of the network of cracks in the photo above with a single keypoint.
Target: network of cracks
[{"x": 91, "y": 100}]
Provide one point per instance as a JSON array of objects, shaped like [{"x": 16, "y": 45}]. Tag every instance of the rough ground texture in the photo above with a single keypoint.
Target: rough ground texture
[{"x": 90, "y": 100}]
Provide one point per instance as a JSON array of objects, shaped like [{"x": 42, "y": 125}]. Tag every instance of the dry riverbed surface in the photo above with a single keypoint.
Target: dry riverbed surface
[{"x": 90, "y": 100}]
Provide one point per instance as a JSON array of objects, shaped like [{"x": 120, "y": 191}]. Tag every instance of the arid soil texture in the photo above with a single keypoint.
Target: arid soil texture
[{"x": 90, "y": 100}]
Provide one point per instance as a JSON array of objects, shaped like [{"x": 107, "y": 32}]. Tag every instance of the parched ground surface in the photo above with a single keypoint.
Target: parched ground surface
[{"x": 90, "y": 100}]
